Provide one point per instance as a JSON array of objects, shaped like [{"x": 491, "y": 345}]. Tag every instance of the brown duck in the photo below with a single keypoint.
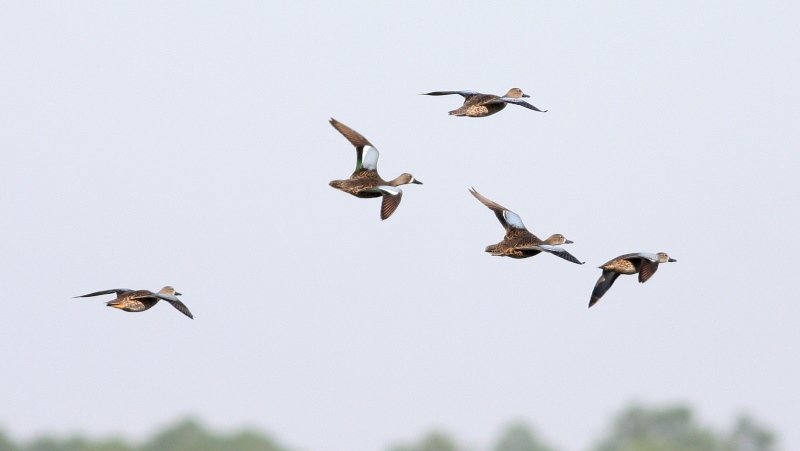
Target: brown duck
[
  {"x": 643, "y": 263},
  {"x": 518, "y": 241},
  {"x": 365, "y": 181},
  {"x": 141, "y": 300},
  {"x": 477, "y": 104}
]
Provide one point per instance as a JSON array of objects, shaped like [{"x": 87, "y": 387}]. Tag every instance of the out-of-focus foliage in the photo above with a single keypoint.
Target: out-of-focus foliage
[
  {"x": 636, "y": 428},
  {"x": 433, "y": 441},
  {"x": 519, "y": 437},
  {"x": 6, "y": 443},
  {"x": 749, "y": 436},
  {"x": 76, "y": 443},
  {"x": 675, "y": 429},
  {"x": 187, "y": 435}
]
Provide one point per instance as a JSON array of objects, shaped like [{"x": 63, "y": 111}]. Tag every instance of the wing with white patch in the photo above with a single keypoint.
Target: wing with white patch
[
  {"x": 507, "y": 218},
  {"x": 513, "y": 220},
  {"x": 558, "y": 251},
  {"x": 370, "y": 158},
  {"x": 390, "y": 200},
  {"x": 356, "y": 139},
  {"x": 647, "y": 256}
]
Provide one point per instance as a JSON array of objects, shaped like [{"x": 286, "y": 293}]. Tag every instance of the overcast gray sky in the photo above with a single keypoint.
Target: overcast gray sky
[{"x": 186, "y": 143}]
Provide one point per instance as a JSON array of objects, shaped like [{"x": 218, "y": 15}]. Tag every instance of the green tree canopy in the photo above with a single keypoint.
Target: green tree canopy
[
  {"x": 747, "y": 435},
  {"x": 661, "y": 429},
  {"x": 433, "y": 441},
  {"x": 519, "y": 437},
  {"x": 189, "y": 435},
  {"x": 636, "y": 428},
  {"x": 6, "y": 443}
]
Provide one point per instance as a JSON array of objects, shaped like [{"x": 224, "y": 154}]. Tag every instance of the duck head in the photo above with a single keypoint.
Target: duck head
[
  {"x": 515, "y": 93},
  {"x": 664, "y": 258}
]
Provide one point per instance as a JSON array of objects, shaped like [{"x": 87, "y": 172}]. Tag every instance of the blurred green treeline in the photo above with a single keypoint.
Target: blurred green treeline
[{"x": 636, "y": 428}]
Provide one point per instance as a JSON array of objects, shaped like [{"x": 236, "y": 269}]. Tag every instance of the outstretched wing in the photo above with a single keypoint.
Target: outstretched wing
[
  {"x": 516, "y": 101},
  {"x": 358, "y": 141},
  {"x": 117, "y": 291},
  {"x": 180, "y": 306},
  {"x": 646, "y": 270},
  {"x": 558, "y": 251},
  {"x": 464, "y": 94},
  {"x": 390, "y": 200},
  {"x": 603, "y": 284},
  {"x": 507, "y": 218}
]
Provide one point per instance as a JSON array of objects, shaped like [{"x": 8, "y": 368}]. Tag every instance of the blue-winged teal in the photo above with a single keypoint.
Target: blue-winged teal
[
  {"x": 477, "y": 104},
  {"x": 141, "y": 300},
  {"x": 518, "y": 241},
  {"x": 365, "y": 181},
  {"x": 643, "y": 263}
]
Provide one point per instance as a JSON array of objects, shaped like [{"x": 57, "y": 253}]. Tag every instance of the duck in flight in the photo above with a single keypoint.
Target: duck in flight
[
  {"x": 518, "y": 241},
  {"x": 477, "y": 104},
  {"x": 643, "y": 263},
  {"x": 365, "y": 181},
  {"x": 141, "y": 300}
]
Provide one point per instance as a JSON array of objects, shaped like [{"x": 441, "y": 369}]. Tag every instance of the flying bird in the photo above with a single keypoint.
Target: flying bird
[
  {"x": 477, "y": 104},
  {"x": 141, "y": 300},
  {"x": 518, "y": 241},
  {"x": 643, "y": 263},
  {"x": 365, "y": 181}
]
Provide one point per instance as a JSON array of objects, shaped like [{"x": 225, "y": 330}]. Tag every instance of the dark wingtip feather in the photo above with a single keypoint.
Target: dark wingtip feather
[{"x": 389, "y": 204}]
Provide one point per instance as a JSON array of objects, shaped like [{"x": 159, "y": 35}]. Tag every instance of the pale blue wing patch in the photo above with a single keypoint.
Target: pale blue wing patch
[
  {"x": 648, "y": 256},
  {"x": 550, "y": 248},
  {"x": 390, "y": 190},
  {"x": 370, "y": 158},
  {"x": 167, "y": 297},
  {"x": 513, "y": 220},
  {"x": 559, "y": 252}
]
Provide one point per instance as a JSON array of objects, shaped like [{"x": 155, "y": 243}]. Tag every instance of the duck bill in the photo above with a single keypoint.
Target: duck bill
[
  {"x": 416, "y": 182},
  {"x": 568, "y": 242},
  {"x": 672, "y": 260},
  {"x": 178, "y": 294},
  {"x": 525, "y": 95}
]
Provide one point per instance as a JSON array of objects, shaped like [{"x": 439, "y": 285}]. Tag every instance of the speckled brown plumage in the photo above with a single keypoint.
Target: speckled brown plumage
[
  {"x": 644, "y": 264},
  {"x": 518, "y": 242},
  {"x": 141, "y": 300},
  {"x": 477, "y": 104},
  {"x": 365, "y": 182}
]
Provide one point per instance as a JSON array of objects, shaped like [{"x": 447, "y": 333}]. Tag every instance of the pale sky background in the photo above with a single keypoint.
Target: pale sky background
[{"x": 186, "y": 143}]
